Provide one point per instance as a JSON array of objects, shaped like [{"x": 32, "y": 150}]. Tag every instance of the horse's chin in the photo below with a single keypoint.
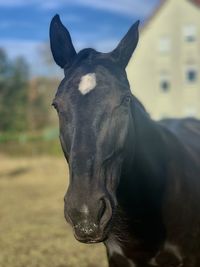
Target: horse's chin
[
  {"x": 90, "y": 240},
  {"x": 102, "y": 237}
]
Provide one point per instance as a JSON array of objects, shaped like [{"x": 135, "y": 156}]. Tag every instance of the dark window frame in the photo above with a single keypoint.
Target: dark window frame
[
  {"x": 191, "y": 75},
  {"x": 165, "y": 85}
]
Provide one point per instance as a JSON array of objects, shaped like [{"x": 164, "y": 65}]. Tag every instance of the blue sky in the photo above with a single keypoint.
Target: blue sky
[{"x": 24, "y": 24}]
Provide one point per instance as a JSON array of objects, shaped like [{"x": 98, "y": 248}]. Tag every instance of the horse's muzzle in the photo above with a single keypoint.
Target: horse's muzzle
[{"x": 90, "y": 222}]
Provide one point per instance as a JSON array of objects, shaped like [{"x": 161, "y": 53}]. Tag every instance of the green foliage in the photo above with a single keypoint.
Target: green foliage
[
  {"x": 27, "y": 120},
  {"x": 14, "y": 76},
  {"x": 45, "y": 142},
  {"x": 25, "y": 104},
  {"x": 40, "y": 112}
]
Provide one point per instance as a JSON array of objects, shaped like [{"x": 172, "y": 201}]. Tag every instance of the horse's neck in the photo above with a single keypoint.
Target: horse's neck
[
  {"x": 149, "y": 139},
  {"x": 144, "y": 170}
]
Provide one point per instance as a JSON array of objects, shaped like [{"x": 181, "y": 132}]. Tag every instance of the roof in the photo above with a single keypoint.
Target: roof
[
  {"x": 154, "y": 13},
  {"x": 159, "y": 7},
  {"x": 196, "y": 2}
]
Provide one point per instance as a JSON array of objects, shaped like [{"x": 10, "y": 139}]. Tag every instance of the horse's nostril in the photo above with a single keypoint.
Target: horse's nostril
[
  {"x": 106, "y": 213},
  {"x": 102, "y": 209}
]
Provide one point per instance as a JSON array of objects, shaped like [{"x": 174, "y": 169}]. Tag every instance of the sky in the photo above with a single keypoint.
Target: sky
[{"x": 100, "y": 24}]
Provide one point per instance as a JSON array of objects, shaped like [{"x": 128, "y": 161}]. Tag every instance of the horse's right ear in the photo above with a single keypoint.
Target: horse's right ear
[{"x": 61, "y": 44}]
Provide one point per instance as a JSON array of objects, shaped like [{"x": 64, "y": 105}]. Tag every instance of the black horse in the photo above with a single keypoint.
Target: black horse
[{"x": 134, "y": 182}]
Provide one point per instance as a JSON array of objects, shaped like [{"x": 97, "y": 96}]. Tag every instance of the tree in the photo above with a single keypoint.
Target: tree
[
  {"x": 41, "y": 93},
  {"x": 14, "y": 76}
]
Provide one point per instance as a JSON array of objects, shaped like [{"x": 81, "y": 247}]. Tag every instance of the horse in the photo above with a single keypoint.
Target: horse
[{"x": 134, "y": 182}]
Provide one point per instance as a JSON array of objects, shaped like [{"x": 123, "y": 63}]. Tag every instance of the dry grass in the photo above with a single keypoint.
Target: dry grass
[{"x": 33, "y": 232}]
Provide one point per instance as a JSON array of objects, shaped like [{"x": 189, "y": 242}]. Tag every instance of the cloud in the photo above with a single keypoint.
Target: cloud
[
  {"x": 126, "y": 7},
  {"x": 12, "y": 3},
  {"x": 104, "y": 39},
  {"x": 31, "y": 51},
  {"x": 50, "y": 5}
]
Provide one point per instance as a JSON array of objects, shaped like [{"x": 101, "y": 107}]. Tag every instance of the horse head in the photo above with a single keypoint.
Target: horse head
[{"x": 93, "y": 105}]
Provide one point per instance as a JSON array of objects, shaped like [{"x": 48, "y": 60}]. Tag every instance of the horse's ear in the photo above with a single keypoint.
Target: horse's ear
[
  {"x": 61, "y": 44},
  {"x": 123, "y": 52}
]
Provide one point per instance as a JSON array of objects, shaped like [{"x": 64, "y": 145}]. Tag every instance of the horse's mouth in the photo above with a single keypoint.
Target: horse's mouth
[
  {"x": 90, "y": 241},
  {"x": 102, "y": 236}
]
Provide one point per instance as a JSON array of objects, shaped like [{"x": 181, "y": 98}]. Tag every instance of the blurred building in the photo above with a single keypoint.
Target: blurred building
[{"x": 164, "y": 72}]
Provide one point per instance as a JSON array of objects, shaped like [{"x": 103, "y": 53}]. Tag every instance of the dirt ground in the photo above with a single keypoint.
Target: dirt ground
[{"x": 33, "y": 231}]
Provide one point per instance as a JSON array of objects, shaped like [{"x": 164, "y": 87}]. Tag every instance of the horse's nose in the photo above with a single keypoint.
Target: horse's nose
[
  {"x": 89, "y": 221},
  {"x": 86, "y": 231}
]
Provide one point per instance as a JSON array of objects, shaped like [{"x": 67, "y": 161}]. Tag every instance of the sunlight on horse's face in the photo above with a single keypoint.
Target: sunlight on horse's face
[{"x": 92, "y": 103}]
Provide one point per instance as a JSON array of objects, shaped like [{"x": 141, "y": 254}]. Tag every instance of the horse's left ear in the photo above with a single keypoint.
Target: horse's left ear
[
  {"x": 62, "y": 48},
  {"x": 123, "y": 52}
]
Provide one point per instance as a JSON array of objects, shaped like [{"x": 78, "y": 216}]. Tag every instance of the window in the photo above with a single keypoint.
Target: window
[
  {"x": 165, "y": 82},
  {"x": 165, "y": 85},
  {"x": 164, "y": 44},
  {"x": 190, "y": 33},
  {"x": 191, "y": 75}
]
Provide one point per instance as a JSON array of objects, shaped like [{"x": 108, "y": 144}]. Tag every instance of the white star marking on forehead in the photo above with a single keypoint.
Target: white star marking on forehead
[{"x": 87, "y": 83}]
